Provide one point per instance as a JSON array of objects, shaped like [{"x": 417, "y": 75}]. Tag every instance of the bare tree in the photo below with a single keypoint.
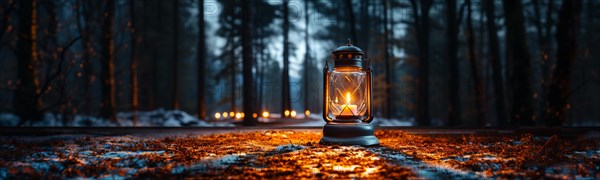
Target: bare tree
[
  {"x": 543, "y": 31},
  {"x": 421, "y": 15},
  {"x": 560, "y": 84},
  {"x": 201, "y": 62},
  {"x": 451, "y": 50},
  {"x": 496, "y": 63},
  {"x": 133, "y": 65},
  {"x": 351, "y": 20},
  {"x": 175, "y": 54},
  {"x": 25, "y": 103},
  {"x": 7, "y": 9},
  {"x": 389, "y": 101},
  {"x": 285, "y": 82},
  {"x": 307, "y": 58},
  {"x": 520, "y": 59},
  {"x": 108, "y": 105},
  {"x": 480, "y": 103},
  {"x": 249, "y": 95}
]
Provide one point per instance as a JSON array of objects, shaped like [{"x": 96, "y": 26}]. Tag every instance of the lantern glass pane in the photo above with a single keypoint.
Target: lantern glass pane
[{"x": 347, "y": 93}]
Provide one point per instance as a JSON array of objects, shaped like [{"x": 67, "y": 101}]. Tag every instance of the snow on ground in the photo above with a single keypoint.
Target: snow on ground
[{"x": 159, "y": 117}]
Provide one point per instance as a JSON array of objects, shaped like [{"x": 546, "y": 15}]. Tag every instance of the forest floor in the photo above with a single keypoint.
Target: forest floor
[{"x": 295, "y": 153}]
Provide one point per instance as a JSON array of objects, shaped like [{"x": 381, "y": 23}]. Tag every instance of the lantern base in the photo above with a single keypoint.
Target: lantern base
[{"x": 349, "y": 134}]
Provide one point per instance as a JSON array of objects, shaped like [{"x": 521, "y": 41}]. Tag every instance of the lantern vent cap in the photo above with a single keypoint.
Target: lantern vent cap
[
  {"x": 348, "y": 48},
  {"x": 348, "y": 56}
]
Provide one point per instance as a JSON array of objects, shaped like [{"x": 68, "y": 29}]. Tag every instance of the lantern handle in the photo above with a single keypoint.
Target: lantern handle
[{"x": 325, "y": 93}]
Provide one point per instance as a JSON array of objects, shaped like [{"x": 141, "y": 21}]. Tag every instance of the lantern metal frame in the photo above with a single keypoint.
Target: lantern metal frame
[{"x": 348, "y": 132}]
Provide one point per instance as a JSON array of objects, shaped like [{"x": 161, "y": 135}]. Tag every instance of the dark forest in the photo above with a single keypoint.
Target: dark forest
[{"x": 473, "y": 63}]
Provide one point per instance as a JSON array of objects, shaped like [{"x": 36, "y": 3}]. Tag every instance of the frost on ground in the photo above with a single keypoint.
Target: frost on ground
[
  {"x": 296, "y": 154},
  {"x": 160, "y": 117}
]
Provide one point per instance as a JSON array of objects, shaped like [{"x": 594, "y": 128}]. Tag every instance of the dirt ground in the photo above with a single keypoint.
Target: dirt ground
[{"x": 294, "y": 154}]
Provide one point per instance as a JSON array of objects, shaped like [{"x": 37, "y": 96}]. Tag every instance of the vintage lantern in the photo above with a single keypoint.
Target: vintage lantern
[{"x": 347, "y": 99}]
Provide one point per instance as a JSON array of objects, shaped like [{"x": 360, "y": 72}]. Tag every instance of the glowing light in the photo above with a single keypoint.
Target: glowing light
[
  {"x": 348, "y": 97},
  {"x": 254, "y": 115},
  {"x": 293, "y": 113},
  {"x": 307, "y": 113},
  {"x": 265, "y": 114},
  {"x": 231, "y": 113},
  {"x": 243, "y": 115},
  {"x": 238, "y": 115},
  {"x": 286, "y": 113},
  {"x": 225, "y": 114},
  {"x": 348, "y": 109},
  {"x": 217, "y": 115}
]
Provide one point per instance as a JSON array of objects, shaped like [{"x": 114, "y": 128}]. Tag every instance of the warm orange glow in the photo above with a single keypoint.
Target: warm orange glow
[
  {"x": 217, "y": 115},
  {"x": 349, "y": 109},
  {"x": 348, "y": 98},
  {"x": 265, "y": 114},
  {"x": 286, "y": 113},
  {"x": 225, "y": 114},
  {"x": 293, "y": 113},
  {"x": 307, "y": 113},
  {"x": 254, "y": 115},
  {"x": 243, "y": 115},
  {"x": 231, "y": 114},
  {"x": 238, "y": 115}
]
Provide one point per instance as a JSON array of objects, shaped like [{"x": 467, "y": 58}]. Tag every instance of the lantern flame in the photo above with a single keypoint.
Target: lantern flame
[{"x": 348, "y": 97}]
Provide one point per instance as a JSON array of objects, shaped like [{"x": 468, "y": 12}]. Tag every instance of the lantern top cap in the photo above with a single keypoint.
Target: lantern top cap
[{"x": 348, "y": 48}]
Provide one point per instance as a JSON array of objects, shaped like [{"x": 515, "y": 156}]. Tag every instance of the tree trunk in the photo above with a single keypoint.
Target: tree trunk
[
  {"x": 518, "y": 55},
  {"x": 87, "y": 54},
  {"x": 108, "y": 105},
  {"x": 496, "y": 63},
  {"x": 388, "y": 83},
  {"x": 307, "y": 60},
  {"x": 201, "y": 62},
  {"x": 480, "y": 103},
  {"x": 364, "y": 17},
  {"x": 133, "y": 67},
  {"x": 422, "y": 27},
  {"x": 25, "y": 104},
  {"x": 175, "y": 54},
  {"x": 285, "y": 83},
  {"x": 566, "y": 36},
  {"x": 249, "y": 95},
  {"x": 351, "y": 21},
  {"x": 10, "y": 6},
  {"x": 451, "y": 49},
  {"x": 544, "y": 43},
  {"x": 233, "y": 72}
]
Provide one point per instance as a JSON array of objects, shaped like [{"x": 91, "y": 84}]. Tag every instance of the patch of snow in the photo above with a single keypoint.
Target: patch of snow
[
  {"x": 288, "y": 148},
  {"x": 3, "y": 173},
  {"x": 177, "y": 170},
  {"x": 124, "y": 154},
  {"x": 7, "y": 119},
  {"x": 159, "y": 117},
  {"x": 423, "y": 169}
]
